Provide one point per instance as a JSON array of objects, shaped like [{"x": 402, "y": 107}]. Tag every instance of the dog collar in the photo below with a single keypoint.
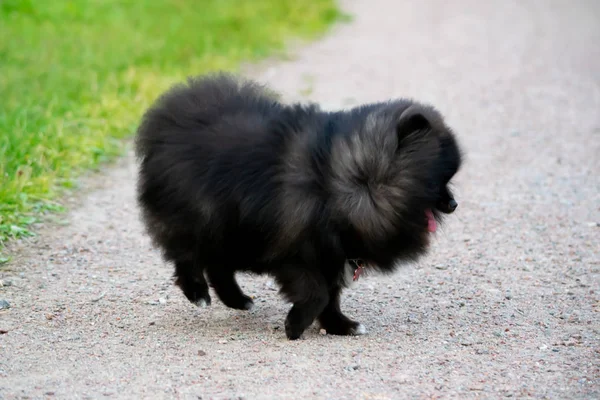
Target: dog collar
[{"x": 359, "y": 266}]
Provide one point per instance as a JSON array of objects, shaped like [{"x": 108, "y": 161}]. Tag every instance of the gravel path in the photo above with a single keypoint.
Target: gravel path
[{"x": 507, "y": 304}]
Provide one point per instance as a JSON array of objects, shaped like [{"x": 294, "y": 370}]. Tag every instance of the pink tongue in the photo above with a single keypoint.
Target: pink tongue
[{"x": 431, "y": 224}]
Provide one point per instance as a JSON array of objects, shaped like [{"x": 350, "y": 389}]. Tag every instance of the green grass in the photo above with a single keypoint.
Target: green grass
[{"x": 75, "y": 76}]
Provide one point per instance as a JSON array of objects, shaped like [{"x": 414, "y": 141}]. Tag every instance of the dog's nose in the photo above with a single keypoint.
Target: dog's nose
[{"x": 452, "y": 204}]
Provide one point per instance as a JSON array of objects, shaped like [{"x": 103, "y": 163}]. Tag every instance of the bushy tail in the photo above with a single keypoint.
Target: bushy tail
[{"x": 199, "y": 102}]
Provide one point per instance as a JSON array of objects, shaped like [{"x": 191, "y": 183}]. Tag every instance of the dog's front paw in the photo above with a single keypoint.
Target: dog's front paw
[
  {"x": 358, "y": 330},
  {"x": 203, "y": 301}
]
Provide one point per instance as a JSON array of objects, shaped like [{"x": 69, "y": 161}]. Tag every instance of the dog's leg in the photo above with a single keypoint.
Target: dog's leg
[
  {"x": 190, "y": 279},
  {"x": 307, "y": 290},
  {"x": 334, "y": 321},
  {"x": 223, "y": 281}
]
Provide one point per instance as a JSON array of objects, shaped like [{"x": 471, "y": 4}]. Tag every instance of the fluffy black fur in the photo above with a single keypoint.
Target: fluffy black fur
[{"x": 233, "y": 180}]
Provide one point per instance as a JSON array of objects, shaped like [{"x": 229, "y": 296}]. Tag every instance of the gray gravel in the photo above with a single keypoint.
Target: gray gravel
[{"x": 506, "y": 304}]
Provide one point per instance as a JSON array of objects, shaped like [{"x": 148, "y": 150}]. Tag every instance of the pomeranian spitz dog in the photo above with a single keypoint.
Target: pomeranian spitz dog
[{"x": 231, "y": 180}]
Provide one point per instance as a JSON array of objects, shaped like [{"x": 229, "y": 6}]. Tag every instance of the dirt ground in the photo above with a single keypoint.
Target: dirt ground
[{"x": 506, "y": 305}]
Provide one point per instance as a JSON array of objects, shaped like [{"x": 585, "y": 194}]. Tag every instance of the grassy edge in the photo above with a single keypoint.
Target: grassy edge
[{"x": 46, "y": 210}]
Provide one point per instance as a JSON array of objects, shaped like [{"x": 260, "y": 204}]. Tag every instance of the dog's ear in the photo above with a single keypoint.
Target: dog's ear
[
  {"x": 412, "y": 120},
  {"x": 417, "y": 120}
]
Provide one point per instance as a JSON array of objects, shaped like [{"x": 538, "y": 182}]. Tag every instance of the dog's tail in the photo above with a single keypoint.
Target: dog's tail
[{"x": 199, "y": 103}]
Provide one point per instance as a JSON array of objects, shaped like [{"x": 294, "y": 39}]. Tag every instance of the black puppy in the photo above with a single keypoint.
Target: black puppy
[{"x": 233, "y": 180}]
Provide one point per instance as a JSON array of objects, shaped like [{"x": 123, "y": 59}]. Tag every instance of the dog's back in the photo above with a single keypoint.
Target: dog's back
[{"x": 205, "y": 112}]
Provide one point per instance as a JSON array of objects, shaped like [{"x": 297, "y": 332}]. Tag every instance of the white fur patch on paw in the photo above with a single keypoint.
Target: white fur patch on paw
[
  {"x": 359, "y": 330},
  {"x": 201, "y": 303}
]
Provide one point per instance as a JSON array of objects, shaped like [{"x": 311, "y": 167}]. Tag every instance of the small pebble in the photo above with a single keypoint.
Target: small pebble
[
  {"x": 201, "y": 353},
  {"x": 162, "y": 300},
  {"x": 4, "y": 305},
  {"x": 322, "y": 332}
]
